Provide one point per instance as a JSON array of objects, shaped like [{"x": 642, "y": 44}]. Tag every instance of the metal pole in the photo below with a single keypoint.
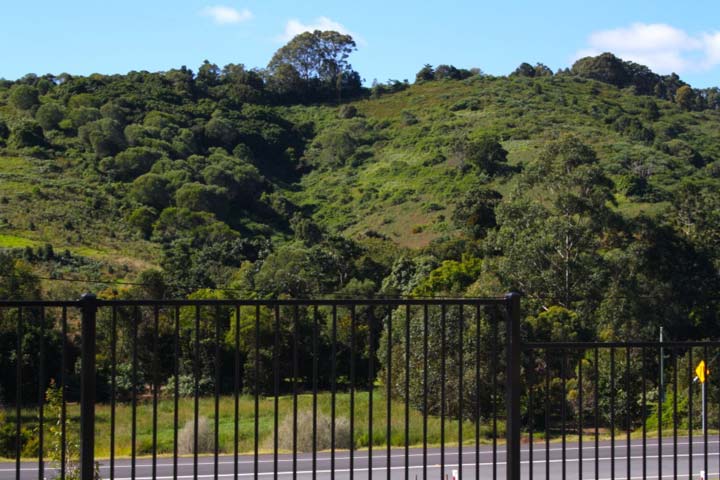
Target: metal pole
[
  {"x": 662, "y": 368},
  {"x": 88, "y": 304},
  {"x": 704, "y": 400},
  {"x": 512, "y": 386}
]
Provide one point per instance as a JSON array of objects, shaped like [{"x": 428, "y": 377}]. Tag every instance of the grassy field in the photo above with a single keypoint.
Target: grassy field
[{"x": 165, "y": 433}]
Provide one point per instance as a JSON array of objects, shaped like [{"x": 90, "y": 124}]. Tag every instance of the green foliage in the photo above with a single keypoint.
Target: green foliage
[
  {"x": 142, "y": 218},
  {"x": 130, "y": 163},
  {"x": 451, "y": 278},
  {"x": 475, "y": 212},
  {"x": 315, "y": 61},
  {"x": 486, "y": 153},
  {"x": 23, "y": 97},
  {"x": 152, "y": 190},
  {"x": 105, "y": 136},
  {"x": 199, "y": 197},
  {"x": 49, "y": 116},
  {"x": 26, "y": 133}
]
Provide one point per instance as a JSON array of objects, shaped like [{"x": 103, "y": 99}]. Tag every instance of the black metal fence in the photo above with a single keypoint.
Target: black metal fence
[{"x": 408, "y": 389}]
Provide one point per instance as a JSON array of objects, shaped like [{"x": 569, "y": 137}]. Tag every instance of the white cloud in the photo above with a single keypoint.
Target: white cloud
[
  {"x": 661, "y": 47},
  {"x": 295, "y": 27},
  {"x": 224, "y": 15}
]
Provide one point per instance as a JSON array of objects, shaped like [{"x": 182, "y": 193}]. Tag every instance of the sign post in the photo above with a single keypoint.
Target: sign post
[{"x": 701, "y": 373}]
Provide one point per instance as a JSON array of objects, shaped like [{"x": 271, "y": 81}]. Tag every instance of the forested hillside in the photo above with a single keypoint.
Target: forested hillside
[{"x": 594, "y": 191}]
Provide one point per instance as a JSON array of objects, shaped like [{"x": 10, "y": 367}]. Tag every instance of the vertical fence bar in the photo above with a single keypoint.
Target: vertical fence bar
[
  {"x": 256, "y": 393},
  {"x": 644, "y": 415},
  {"x": 352, "y": 392},
  {"x": 661, "y": 394},
  {"x": 627, "y": 411},
  {"x": 296, "y": 374},
  {"x": 461, "y": 325},
  {"x": 87, "y": 387},
  {"x": 41, "y": 397},
  {"x": 18, "y": 393},
  {"x": 512, "y": 304},
  {"x": 371, "y": 382},
  {"x": 477, "y": 392},
  {"x": 176, "y": 392},
  {"x": 425, "y": 388},
  {"x": 63, "y": 393},
  {"x": 612, "y": 412},
  {"x": 276, "y": 399},
  {"x": 494, "y": 374},
  {"x": 690, "y": 412},
  {"x": 155, "y": 386},
  {"x": 218, "y": 366},
  {"x": 196, "y": 391},
  {"x": 675, "y": 412},
  {"x": 531, "y": 413},
  {"x": 315, "y": 334},
  {"x": 113, "y": 389},
  {"x": 547, "y": 414},
  {"x": 134, "y": 382},
  {"x": 388, "y": 433},
  {"x": 236, "y": 390},
  {"x": 581, "y": 413},
  {"x": 596, "y": 404},
  {"x": 563, "y": 410},
  {"x": 407, "y": 392},
  {"x": 333, "y": 387},
  {"x": 442, "y": 390},
  {"x": 706, "y": 387}
]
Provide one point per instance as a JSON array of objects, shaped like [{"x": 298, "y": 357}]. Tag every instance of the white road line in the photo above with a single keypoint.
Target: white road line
[
  {"x": 449, "y": 451},
  {"x": 411, "y": 467}
]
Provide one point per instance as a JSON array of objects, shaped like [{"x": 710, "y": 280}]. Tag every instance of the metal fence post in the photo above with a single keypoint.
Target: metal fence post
[
  {"x": 512, "y": 386},
  {"x": 89, "y": 307}
]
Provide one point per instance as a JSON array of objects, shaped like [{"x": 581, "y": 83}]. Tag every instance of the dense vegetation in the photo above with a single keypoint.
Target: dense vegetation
[{"x": 594, "y": 191}]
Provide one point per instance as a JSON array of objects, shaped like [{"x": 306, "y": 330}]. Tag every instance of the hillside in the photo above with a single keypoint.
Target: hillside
[{"x": 573, "y": 190}]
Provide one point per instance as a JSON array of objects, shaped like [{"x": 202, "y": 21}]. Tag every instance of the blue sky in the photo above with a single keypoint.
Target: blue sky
[{"x": 395, "y": 37}]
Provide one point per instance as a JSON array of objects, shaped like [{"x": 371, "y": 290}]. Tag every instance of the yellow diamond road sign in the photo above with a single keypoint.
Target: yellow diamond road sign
[{"x": 701, "y": 371}]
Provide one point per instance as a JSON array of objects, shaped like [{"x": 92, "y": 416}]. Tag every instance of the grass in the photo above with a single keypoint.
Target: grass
[
  {"x": 165, "y": 431},
  {"x": 12, "y": 241}
]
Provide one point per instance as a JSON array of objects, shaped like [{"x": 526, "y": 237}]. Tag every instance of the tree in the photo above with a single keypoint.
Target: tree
[
  {"x": 606, "y": 68},
  {"x": 426, "y": 74},
  {"x": 475, "y": 212},
  {"x": 685, "y": 97},
  {"x": 524, "y": 70},
  {"x": 221, "y": 132},
  {"x": 24, "y": 97},
  {"x": 142, "y": 219},
  {"x": 49, "y": 116},
  {"x": 131, "y": 163},
  {"x": 152, "y": 190},
  {"x": 486, "y": 153},
  {"x": 198, "y": 197},
  {"x": 550, "y": 236},
  {"x": 320, "y": 56},
  {"x": 105, "y": 136}
]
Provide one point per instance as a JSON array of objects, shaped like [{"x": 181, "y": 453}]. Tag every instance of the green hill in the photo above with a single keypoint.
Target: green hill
[{"x": 593, "y": 192}]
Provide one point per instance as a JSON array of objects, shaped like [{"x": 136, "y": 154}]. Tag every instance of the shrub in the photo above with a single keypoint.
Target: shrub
[
  {"x": 347, "y": 111},
  {"x": 305, "y": 432},
  {"x": 205, "y": 437},
  {"x": 27, "y": 133}
]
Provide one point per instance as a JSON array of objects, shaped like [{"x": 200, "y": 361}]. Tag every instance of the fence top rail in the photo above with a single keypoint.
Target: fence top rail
[
  {"x": 240, "y": 302},
  {"x": 628, "y": 344}
]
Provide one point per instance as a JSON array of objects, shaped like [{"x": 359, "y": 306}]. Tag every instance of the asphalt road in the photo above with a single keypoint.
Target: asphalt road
[{"x": 397, "y": 470}]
